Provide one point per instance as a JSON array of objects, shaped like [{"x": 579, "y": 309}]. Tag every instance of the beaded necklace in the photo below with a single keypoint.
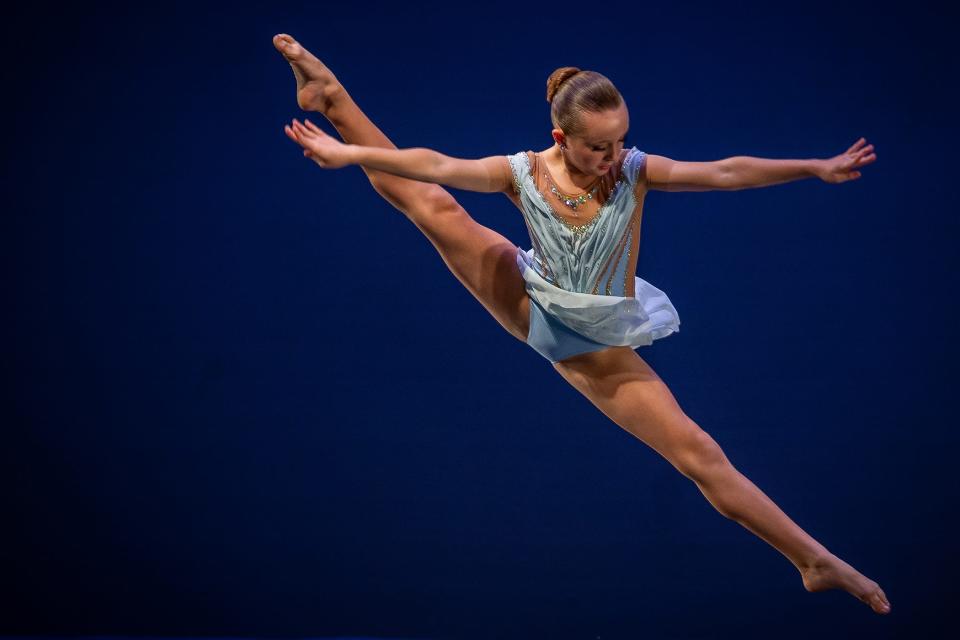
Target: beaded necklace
[{"x": 574, "y": 201}]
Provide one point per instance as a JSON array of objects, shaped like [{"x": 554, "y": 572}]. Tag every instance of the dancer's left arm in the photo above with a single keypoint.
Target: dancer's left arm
[{"x": 746, "y": 172}]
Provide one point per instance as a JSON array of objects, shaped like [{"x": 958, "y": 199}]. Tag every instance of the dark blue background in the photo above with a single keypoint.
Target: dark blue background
[{"x": 246, "y": 397}]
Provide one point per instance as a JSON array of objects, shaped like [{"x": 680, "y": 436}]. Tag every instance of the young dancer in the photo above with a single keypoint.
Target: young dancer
[{"x": 573, "y": 297}]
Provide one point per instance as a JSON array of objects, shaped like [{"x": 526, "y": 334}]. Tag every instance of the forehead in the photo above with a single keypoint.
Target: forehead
[{"x": 605, "y": 125}]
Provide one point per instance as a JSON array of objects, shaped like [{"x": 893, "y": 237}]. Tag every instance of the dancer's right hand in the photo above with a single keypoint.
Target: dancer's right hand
[{"x": 323, "y": 149}]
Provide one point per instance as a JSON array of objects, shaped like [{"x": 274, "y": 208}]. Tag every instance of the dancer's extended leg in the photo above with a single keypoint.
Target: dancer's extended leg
[
  {"x": 627, "y": 390},
  {"x": 482, "y": 259}
]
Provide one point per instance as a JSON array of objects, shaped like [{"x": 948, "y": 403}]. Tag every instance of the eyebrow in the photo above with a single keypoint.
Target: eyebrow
[{"x": 602, "y": 141}]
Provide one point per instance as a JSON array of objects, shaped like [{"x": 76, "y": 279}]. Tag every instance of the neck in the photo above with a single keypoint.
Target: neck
[{"x": 578, "y": 178}]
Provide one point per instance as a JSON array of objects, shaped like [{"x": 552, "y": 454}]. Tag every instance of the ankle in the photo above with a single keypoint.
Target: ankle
[
  {"x": 334, "y": 95},
  {"x": 818, "y": 559}
]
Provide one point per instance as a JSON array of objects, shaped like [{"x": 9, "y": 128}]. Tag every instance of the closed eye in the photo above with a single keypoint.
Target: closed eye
[{"x": 623, "y": 140}]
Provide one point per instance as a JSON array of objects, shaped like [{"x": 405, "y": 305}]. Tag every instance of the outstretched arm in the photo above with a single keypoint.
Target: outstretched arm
[
  {"x": 486, "y": 175},
  {"x": 746, "y": 172}
]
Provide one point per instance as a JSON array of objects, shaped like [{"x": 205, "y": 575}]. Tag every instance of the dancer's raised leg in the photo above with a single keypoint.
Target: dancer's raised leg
[
  {"x": 627, "y": 390},
  {"x": 482, "y": 259}
]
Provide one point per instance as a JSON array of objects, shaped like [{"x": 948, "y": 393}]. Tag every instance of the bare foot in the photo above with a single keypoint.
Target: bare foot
[
  {"x": 316, "y": 84},
  {"x": 834, "y": 573}
]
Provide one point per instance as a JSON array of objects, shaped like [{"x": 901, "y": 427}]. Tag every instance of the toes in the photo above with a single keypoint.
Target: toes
[
  {"x": 285, "y": 43},
  {"x": 883, "y": 598},
  {"x": 880, "y": 601}
]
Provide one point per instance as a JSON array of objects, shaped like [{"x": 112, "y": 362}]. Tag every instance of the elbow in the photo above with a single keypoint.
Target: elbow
[
  {"x": 422, "y": 164},
  {"x": 727, "y": 175},
  {"x": 446, "y": 170},
  {"x": 439, "y": 167}
]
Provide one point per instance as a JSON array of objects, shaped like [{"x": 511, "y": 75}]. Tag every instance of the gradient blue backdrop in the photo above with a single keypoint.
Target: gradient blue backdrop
[{"x": 246, "y": 397}]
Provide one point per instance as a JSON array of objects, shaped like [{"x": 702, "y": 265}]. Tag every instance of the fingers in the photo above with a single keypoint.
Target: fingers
[
  {"x": 294, "y": 135},
  {"x": 299, "y": 134},
  {"x": 291, "y": 133},
  {"x": 314, "y": 128},
  {"x": 304, "y": 135},
  {"x": 312, "y": 131},
  {"x": 302, "y": 130},
  {"x": 856, "y": 145},
  {"x": 866, "y": 156},
  {"x": 859, "y": 145}
]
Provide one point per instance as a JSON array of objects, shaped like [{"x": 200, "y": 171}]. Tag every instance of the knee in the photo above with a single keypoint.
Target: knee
[
  {"x": 439, "y": 200},
  {"x": 414, "y": 198},
  {"x": 701, "y": 455}
]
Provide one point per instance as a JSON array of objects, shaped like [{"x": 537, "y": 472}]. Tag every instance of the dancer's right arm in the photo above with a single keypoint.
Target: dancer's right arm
[{"x": 485, "y": 175}]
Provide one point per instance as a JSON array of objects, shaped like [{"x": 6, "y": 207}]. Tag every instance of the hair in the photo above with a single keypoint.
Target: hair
[{"x": 571, "y": 91}]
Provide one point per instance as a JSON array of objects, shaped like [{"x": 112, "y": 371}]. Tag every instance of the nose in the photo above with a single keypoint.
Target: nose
[{"x": 612, "y": 153}]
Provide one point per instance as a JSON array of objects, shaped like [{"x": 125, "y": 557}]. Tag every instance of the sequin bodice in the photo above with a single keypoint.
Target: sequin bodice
[{"x": 595, "y": 256}]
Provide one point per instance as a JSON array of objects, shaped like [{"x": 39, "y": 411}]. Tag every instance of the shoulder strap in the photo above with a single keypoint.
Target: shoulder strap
[
  {"x": 519, "y": 167},
  {"x": 633, "y": 164}
]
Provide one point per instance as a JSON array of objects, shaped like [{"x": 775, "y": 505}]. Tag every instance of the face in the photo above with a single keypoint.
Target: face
[{"x": 598, "y": 147}]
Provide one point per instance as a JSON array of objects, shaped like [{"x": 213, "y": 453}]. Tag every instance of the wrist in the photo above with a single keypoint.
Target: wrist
[
  {"x": 815, "y": 167},
  {"x": 353, "y": 153}
]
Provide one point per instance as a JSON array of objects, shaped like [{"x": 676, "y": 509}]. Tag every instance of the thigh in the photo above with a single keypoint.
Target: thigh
[
  {"x": 628, "y": 391},
  {"x": 483, "y": 260}
]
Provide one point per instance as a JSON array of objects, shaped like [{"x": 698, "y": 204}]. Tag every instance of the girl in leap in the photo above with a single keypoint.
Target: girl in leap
[{"x": 573, "y": 296}]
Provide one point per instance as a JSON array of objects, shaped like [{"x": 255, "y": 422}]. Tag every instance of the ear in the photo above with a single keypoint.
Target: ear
[{"x": 558, "y": 136}]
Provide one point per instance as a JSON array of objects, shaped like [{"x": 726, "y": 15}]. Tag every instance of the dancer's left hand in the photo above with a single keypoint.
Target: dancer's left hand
[
  {"x": 325, "y": 150},
  {"x": 845, "y": 166}
]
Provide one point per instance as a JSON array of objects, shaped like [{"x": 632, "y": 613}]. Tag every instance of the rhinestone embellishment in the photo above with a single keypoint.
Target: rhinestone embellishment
[{"x": 575, "y": 202}]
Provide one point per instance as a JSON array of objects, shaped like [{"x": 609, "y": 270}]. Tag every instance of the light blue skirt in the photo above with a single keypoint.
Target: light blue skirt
[
  {"x": 554, "y": 340},
  {"x": 566, "y": 323}
]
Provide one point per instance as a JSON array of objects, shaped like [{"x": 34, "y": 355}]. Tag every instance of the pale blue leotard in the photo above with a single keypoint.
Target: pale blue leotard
[{"x": 576, "y": 275}]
